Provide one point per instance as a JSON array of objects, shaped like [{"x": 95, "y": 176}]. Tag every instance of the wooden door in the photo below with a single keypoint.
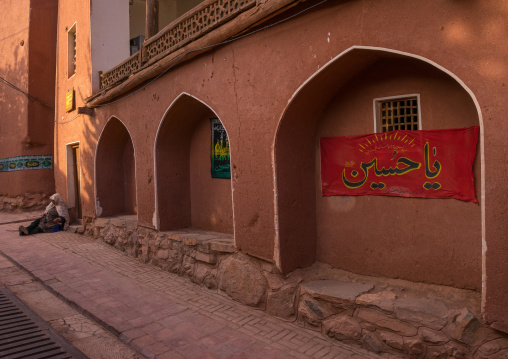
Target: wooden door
[{"x": 77, "y": 182}]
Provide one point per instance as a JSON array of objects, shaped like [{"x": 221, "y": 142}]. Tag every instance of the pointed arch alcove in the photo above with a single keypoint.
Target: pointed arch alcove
[
  {"x": 436, "y": 241},
  {"x": 115, "y": 174},
  {"x": 186, "y": 194}
]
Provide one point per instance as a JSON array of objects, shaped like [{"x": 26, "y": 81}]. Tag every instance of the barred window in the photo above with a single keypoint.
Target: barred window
[{"x": 397, "y": 114}]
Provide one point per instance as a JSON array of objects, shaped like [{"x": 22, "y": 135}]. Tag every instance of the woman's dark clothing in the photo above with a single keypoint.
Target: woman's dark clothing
[
  {"x": 47, "y": 221},
  {"x": 45, "y": 224},
  {"x": 33, "y": 228}
]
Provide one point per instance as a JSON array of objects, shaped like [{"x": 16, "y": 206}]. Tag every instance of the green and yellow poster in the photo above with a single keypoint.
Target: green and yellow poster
[
  {"x": 220, "y": 150},
  {"x": 21, "y": 163}
]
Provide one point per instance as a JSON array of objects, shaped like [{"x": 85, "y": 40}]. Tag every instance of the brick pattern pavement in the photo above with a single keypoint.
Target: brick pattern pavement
[
  {"x": 170, "y": 317},
  {"x": 24, "y": 217}
]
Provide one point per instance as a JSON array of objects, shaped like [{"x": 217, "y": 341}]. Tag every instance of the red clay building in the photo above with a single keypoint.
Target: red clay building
[
  {"x": 280, "y": 75},
  {"x": 27, "y": 102}
]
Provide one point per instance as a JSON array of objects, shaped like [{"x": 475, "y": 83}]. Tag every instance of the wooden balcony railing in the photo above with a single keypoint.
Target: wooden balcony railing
[
  {"x": 188, "y": 27},
  {"x": 121, "y": 71}
]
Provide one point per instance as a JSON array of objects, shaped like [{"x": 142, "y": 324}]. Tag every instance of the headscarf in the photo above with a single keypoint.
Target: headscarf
[{"x": 61, "y": 208}]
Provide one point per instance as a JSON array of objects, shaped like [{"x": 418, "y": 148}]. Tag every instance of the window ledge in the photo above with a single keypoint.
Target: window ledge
[{"x": 213, "y": 241}]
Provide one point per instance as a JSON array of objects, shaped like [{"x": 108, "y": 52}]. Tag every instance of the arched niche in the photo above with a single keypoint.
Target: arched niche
[
  {"x": 187, "y": 195},
  {"x": 115, "y": 174},
  {"x": 429, "y": 240}
]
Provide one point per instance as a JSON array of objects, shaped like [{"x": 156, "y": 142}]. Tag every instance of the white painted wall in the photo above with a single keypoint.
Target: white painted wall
[
  {"x": 115, "y": 22},
  {"x": 109, "y": 36},
  {"x": 169, "y": 10}
]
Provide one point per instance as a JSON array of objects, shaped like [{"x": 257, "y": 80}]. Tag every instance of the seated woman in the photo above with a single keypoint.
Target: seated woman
[{"x": 55, "y": 218}]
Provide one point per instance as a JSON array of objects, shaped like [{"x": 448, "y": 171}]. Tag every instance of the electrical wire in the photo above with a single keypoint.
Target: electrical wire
[
  {"x": 177, "y": 59},
  {"x": 30, "y": 97},
  {"x": 33, "y": 98},
  {"x": 72, "y": 119},
  {"x": 181, "y": 56}
]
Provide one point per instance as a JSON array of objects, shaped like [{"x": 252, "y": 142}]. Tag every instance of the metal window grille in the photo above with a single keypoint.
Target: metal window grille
[
  {"x": 398, "y": 114},
  {"x": 74, "y": 49}
]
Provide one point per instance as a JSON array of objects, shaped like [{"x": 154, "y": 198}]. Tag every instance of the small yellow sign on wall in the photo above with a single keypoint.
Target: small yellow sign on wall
[{"x": 69, "y": 101}]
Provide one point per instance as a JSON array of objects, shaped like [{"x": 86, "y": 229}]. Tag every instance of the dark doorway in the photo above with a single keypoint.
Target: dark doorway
[{"x": 77, "y": 183}]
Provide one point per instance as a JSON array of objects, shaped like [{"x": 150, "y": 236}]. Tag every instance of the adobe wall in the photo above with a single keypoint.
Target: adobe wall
[
  {"x": 42, "y": 67},
  {"x": 115, "y": 161},
  {"x": 131, "y": 205},
  {"x": 14, "y": 68},
  {"x": 250, "y": 94},
  {"x": 28, "y": 62},
  {"x": 187, "y": 194},
  {"x": 416, "y": 239},
  {"x": 71, "y": 128},
  {"x": 211, "y": 203},
  {"x": 41, "y": 72}
]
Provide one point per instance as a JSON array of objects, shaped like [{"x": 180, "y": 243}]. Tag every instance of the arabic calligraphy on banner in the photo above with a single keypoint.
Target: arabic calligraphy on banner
[
  {"x": 220, "y": 150},
  {"x": 426, "y": 164}
]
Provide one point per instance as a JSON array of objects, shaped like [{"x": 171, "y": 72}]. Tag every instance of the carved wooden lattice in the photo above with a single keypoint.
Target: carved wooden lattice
[
  {"x": 195, "y": 24},
  {"x": 119, "y": 72},
  {"x": 187, "y": 28}
]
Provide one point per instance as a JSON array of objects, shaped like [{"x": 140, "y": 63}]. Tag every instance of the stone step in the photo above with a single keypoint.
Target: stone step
[
  {"x": 77, "y": 228},
  {"x": 335, "y": 291}
]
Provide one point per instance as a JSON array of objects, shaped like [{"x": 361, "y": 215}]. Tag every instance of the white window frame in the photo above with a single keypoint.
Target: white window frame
[
  {"x": 71, "y": 47},
  {"x": 377, "y": 101}
]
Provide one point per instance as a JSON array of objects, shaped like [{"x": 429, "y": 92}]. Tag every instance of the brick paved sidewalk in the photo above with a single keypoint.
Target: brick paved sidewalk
[
  {"x": 24, "y": 217},
  {"x": 158, "y": 313}
]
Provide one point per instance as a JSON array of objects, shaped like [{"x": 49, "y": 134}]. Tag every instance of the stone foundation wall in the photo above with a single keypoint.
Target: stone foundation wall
[
  {"x": 24, "y": 203},
  {"x": 394, "y": 318},
  {"x": 397, "y": 321}
]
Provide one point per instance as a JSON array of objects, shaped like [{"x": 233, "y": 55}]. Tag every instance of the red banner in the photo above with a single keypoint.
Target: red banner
[{"x": 427, "y": 164}]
